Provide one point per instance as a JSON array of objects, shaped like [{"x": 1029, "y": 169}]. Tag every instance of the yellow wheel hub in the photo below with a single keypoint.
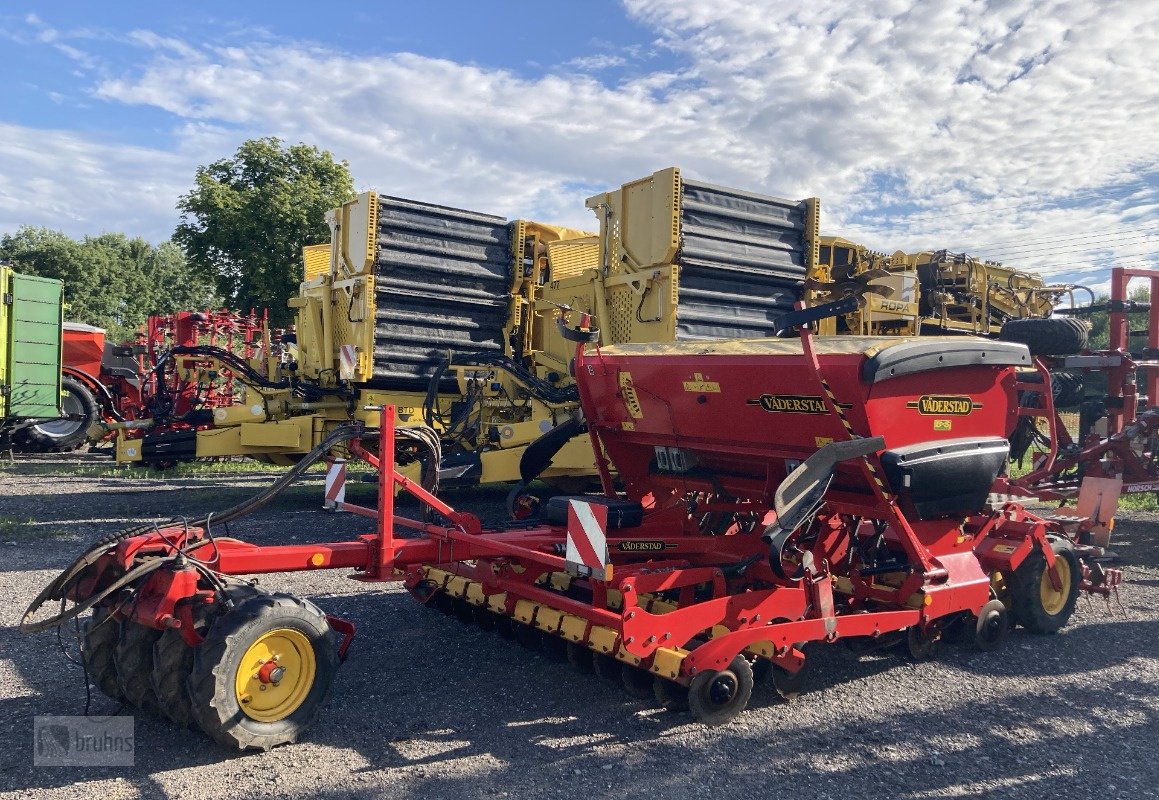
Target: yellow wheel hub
[
  {"x": 1054, "y": 600},
  {"x": 275, "y": 675}
]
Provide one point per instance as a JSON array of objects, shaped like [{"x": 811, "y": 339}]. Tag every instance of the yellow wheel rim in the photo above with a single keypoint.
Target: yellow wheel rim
[
  {"x": 1053, "y": 601},
  {"x": 275, "y": 675}
]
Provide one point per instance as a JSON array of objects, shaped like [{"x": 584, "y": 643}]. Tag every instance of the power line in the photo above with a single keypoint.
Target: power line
[
  {"x": 1153, "y": 226},
  {"x": 1094, "y": 243}
]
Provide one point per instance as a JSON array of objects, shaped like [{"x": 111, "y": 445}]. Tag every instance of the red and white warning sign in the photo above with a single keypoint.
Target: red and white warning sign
[
  {"x": 335, "y": 485},
  {"x": 587, "y": 543},
  {"x": 348, "y": 355}
]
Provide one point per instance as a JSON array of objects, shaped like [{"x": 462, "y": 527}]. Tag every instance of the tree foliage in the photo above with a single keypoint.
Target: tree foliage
[
  {"x": 245, "y": 221},
  {"x": 109, "y": 280}
]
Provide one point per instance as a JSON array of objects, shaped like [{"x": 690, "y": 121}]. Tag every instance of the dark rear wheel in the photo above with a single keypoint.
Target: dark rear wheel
[
  {"x": 133, "y": 658},
  {"x": 100, "y": 641},
  {"x": 992, "y": 625},
  {"x": 717, "y": 697},
  {"x": 172, "y": 663},
  {"x": 637, "y": 681}
]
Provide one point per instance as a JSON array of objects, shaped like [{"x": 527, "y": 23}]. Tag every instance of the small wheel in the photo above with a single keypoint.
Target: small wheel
[
  {"x": 172, "y": 662},
  {"x": 762, "y": 670},
  {"x": 637, "y": 681},
  {"x": 133, "y": 658},
  {"x": 992, "y": 626},
  {"x": 1035, "y": 603},
  {"x": 445, "y": 603},
  {"x": 553, "y": 647},
  {"x": 100, "y": 640},
  {"x": 716, "y": 698},
  {"x": 606, "y": 667},
  {"x": 263, "y": 672},
  {"x": 789, "y": 684},
  {"x": 579, "y": 657},
  {"x": 485, "y": 618},
  {"x": 505, "y": 626},
  {"x": 670, "y": 695},
  {"x": 464, "y": 610},
  {"x": 528, "y": 636},
  {"x": 922, "y": 645}
]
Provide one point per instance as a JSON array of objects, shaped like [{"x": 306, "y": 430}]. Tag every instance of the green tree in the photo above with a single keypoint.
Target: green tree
[
  {"x": 109, "y": 280},
  {"x": 247, "y": 218}
]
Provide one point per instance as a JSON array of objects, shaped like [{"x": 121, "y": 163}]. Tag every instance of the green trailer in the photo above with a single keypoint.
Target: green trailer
[{"x": 31, "y": 326}]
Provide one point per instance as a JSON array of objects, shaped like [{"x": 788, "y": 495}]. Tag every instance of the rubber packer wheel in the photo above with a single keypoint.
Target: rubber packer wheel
[
  {"x": 243, "y": 651},
  {"x": 62, "y": 435},
  {"x": 172, "y": 663},
  {"x": 716, "y": 698},
  {"x": 637, "y": 681},
  {"x": 133, "y": 658},
  {"x": 670, "y": 695},
  {"x": 100, "y": 641},
  {"x": 991, "y": 626},
  {"x": 1035, "y": 603}
]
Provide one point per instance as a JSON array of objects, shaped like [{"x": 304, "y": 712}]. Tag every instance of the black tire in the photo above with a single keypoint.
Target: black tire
[
  {"x": 1034, "y": 604},
  {"x": 133, "y": 657},
  {"x": 991, "y": 626},
  {"x": 100, "y": 642},
  {"x": 1067, "y": 387},
  {"x": 1047, "y": 337},
  {"x": 716, "y": 698},
  {"x": 670, "y": 695},
  {"x": 579, "y": 657},
  {"x": 606, "y": 667},
  {"x": 172, "y": 663},
  {"x": 63, "y": 435},
  {"x": 219, "y": 659},
  {"x": 637, "y": 681}
]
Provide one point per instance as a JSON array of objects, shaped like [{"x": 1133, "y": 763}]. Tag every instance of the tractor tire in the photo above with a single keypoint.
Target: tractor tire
[
  {"x": 263, "y": 672},
  {"x": 64, "y": 435},
  {"x": 1034, "y": 603},
  {"x": 100, "y": 641},
  {"x": 1067, "y": 387},
  {"x": 1047, "y": 337},
  {"x": 172, "y": 663},
  {"x": 133, "y": 657}
]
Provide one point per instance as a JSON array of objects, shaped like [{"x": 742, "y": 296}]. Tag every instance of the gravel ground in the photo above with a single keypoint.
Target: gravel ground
[{"x": 426, "y": 707}]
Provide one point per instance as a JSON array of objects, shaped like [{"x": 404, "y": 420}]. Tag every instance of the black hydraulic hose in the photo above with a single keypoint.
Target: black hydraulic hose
[{"x": 58, "y": 587}]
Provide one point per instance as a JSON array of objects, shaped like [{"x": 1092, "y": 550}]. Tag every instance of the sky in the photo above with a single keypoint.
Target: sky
[{"x": 1022, "y": 131}]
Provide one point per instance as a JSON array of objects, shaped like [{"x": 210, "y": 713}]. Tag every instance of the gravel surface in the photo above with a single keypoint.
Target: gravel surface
[{"x": 427, "y": 707}]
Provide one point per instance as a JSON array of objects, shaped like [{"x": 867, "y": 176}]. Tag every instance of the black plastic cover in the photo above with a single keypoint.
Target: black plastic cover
[
  {"x": 907, "y": 358},
  {"x": 947, "y": 478},
  {"x": 621, "y": 513},
  {"x": 742, "y": 262},
  {"x": 442, "y": 278}
]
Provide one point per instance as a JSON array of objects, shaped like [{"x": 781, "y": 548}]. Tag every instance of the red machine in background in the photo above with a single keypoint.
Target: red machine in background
[
  {"x": 1128, "y": 448},
  {"x": 779, "y": 493},
  {"x": 144, "y": 379}
]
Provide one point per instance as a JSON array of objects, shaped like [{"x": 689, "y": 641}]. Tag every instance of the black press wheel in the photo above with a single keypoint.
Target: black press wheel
[
  {"x": 133, "y": 657},
  {"x": 992, "y": 625},
  {"x": 100, "y": 641},
  {"x": 172, "y": 663},
  {"x": 670, "y": 695},
  {"x": 637, "y": 681},
  {"x": 264, "y": 671},
  {"x": 1035, "y": 603},
  {"x": 716, "y": 698}
]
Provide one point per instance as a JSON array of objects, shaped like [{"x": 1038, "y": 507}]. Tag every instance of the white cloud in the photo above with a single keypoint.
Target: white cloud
[{"x": 999, "y": 122}]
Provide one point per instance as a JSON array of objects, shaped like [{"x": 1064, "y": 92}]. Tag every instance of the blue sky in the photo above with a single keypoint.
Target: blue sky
[{"x": 1018, "y": 130}]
